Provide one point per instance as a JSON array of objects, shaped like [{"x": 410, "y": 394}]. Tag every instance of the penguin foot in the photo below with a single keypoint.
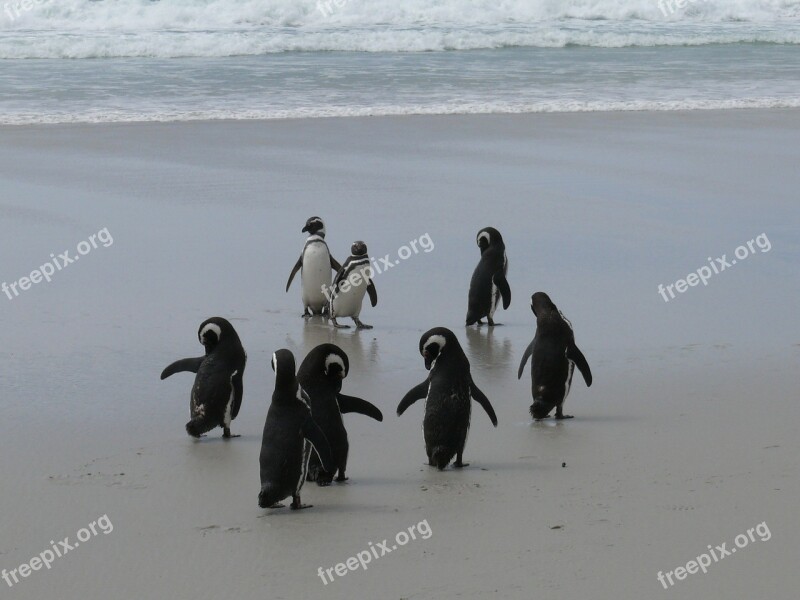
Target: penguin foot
[
  {"x": 297, "y": 505},
  {"x": 277, "y": 505},
  {"x": 342, "y": 478},
  {"x": 339, "y": 325},
  {"x": 563, "y": 416},
  {"x": 360, "y": 325},
  {"x": 226, "y": 433},
  {"x": 323, "y": 482}
]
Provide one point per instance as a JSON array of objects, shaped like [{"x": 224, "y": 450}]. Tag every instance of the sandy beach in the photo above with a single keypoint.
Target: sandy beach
[{"x": 687, "y": 438}]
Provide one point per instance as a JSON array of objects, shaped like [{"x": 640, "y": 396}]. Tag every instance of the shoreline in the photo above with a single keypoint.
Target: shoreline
[{"x": 521, "y": 114}]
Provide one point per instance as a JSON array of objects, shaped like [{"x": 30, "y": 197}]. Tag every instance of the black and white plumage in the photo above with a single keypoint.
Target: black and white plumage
[
  {"x": 447, "y": 392},
  {"x": 290, "y": 436},
  {"x": 489, "y": 283},
  {"x": 352, "y": 281},
  {"x": 218, "y": 389},
  {"x": 555, "y": 357},
  {"x": 321, "y": 375},
  {"x": 315, "y": 265}
]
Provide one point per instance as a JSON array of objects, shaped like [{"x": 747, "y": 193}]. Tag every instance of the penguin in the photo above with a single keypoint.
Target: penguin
[
  {"x": 290, "y": 434},
  {"x": 217, "y": 391},
  {"x": 315, "y": 265},
  {"x": 488, "y": 282},
  {"x": 555, "y": 357},
  {"x": 321, "y": 375},
  {"x": 447, "y": 392},
  {"x": 352, "y": 281}
]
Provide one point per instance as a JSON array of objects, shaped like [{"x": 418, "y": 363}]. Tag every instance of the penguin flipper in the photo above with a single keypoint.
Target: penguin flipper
[
  {"x": 481, "y": 399},
  {"x": 373, "y": 293},
  {"x": 418, "y": 392},
  {"x": 501, "y": 282},
  {"x": 350, "y": 404},
  {"x": 295, "y": 269},
  {"x": 528, "y": 353},
  {"x": 337, "y": 279},
  {"x": 313, "y": 433},
  {"x": 185, "y": 364},
  {"x": 576, "y": 356},
  {"x": 334, "y": 264}
]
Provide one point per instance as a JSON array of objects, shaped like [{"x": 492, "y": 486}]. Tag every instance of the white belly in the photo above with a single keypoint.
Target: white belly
[
  {"x": 348, "y": 304},
  {"x": 316, "y": 272}
]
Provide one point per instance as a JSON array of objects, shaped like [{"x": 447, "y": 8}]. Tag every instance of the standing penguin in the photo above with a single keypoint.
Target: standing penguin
[
  {"x": 321, "y": 375},
  {"x": 315, "y": 265},
  {"x": 217, "y": 391},
  {"x": 555, "y": 356},
  {"x": 447, "y": 392},
  {"x": 349, "y": 286},
  {"x": 290, "y": 434},
  {"x": 488, "y": 282}
]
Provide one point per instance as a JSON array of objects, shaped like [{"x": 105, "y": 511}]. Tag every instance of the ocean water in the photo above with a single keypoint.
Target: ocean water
[{"x": 164, "y": 60}]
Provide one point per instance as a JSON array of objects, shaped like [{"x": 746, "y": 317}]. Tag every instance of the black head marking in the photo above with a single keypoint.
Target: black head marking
[
  {"x": 541, "y": 304},
  {"x": 436, "y": 343},
  {"x": 358, "y": 248},
  {"x": 488, "y": 236},
  {"x": 215, "y": 331},
  {"x": 284, "y": 366},
  {"x": 315, "y": 226}
]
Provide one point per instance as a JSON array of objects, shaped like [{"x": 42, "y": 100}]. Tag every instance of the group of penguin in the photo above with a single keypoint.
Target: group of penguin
[{"x": 304, "y": 435}]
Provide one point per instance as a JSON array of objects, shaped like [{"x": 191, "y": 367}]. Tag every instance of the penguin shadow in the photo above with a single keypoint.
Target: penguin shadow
[
  {"x": 551, "y": 424},
  {"x": 320, "y": 505},
  {"x": 213, "y": 438},
  {"x": 376, "y": 481}
]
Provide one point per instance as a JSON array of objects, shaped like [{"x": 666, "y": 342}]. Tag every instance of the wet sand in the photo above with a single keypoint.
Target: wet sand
[{"x": 686, "y": 439}]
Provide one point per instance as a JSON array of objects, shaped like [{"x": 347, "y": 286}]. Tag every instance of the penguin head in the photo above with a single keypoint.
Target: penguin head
[
  {"x": 284, "y": 366},
  {"x": 488, "y": 236},
  {"x": 336, "y": 365},
  {"x": 214, "y": 331},
  {"x": 358, "y": 248},
  {"x": 435, "y": 343},
  {"x": 315, "y": 226},
  {"x": 326, "y": 362},
  {"x": 541, "y": 304}
]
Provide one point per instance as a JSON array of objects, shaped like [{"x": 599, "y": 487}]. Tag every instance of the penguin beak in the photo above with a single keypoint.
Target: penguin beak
[
  {"x": 428, "y": 361},
  {"x": 304, "y": 229}
]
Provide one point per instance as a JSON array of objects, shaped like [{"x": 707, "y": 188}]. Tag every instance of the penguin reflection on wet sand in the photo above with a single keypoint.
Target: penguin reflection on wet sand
[
  {"x": 321, "y": 375},
  {"x": 554, "y": 358},
  {"x": 488, "y": 284},
  {"x": 315, "y": 265},
  {"x": 217, "y": 391},
  {"x": 352, "y": 281},
  {"x": 290, "y": 435},
  {"x": 447, "y": 392}
]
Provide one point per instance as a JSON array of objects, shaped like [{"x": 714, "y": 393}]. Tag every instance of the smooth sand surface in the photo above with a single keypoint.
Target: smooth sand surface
[{"x": 687, "y": 438}]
